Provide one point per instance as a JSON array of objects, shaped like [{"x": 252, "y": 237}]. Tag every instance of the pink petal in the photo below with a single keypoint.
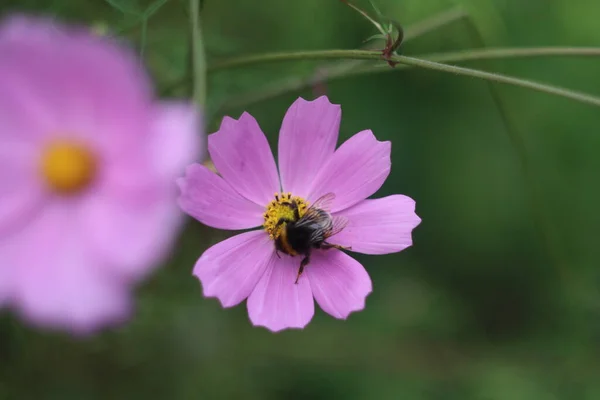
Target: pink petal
[
  {"x": 278, "y": 303},
  {"x": 23, "y": 115},
  {"x": 307, "y": 140},
  {"x": 110, "y": 65},
  {"x": 241, "y": 154},
  {"x": 231, "y": 269},
  {"x": 338, "y": 282},
  {"x": 57, "y": 283},
  {"x": 21, "y": 199},
  {"x": 132, "y": 236},
  {"x": 356, "y": 171},
  {"x": 177, "y": 138},
  {"x": 21, "y": 193},
  {"x": 379, "y": 226},
  {"x": 75, "y": 84},
  {"x": 21, "y": 105},
  {"x": 212, "y": 201}
]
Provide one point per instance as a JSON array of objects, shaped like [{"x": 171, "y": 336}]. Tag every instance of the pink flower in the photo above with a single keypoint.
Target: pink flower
[
  {"x": 248, "y": 265},
  {"x": 87, "y": 163}
]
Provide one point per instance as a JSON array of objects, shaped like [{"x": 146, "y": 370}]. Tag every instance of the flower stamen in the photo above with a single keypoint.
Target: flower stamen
[
  {"x": 68, "y": 167},
  {"x": 281, "y": 210}
]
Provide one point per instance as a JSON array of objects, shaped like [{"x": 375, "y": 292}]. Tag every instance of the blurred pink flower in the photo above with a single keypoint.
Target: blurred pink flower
[
  {"x": 247, "y": 265},
  {"x": 88, "y": 159}
]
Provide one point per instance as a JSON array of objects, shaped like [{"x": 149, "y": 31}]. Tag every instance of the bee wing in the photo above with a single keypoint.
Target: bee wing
[
  {"x": 324, "y": 202},
  {"x": 315, "y": 210},
  {"x": 338, "y": 223}
]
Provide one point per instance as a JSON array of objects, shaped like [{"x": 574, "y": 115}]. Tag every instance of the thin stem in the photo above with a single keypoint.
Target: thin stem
[
  {"x": 344, "y": 70},
  {"x": 466, "y": 55},
  {"x": 511, "y": 52},
  {"x": 246, "y": 61},
  {"x": 524, "y": 83},
  {"x": 431, "y": 63},
  {"x": 476, "y": 55},
  {"x": 338, "y": 69},
  {"x": 198, "y": 56},
  {"x": 480, "y": 55},
  {"x": 412, "y": 32}
]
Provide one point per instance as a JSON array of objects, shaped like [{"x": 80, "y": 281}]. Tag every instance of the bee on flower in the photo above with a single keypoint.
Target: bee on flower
[{"x": 307, "y": 213}]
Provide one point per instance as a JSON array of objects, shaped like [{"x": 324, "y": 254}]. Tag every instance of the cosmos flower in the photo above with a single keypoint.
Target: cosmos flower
[
  {"x": 88, "y": 159},
  {"x": 261, "y": 265}
]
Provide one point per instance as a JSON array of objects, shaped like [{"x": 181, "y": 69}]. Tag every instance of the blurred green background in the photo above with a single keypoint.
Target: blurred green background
[{"x": 481, "y": 307}]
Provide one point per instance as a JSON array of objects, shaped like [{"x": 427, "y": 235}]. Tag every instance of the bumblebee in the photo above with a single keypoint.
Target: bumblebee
[{"x": 309, "y": 230}]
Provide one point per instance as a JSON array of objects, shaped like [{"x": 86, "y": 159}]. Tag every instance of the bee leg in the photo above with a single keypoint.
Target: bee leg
[
  {"x": 296, "y": 211},
  {"x": 277, "y": 253},
  {"x": 326, "y": 246},
  {"x": 281, "y": 221},
  {"x": 303, "y": 264}
]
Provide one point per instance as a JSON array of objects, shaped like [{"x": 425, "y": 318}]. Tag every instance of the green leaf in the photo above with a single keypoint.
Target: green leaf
[{"x": 375, "y": 37}]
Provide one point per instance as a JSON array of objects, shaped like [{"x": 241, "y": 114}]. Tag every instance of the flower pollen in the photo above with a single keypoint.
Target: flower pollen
[
  {"x": 282, "y": 209},
  {"x": 67, "y": 167}
]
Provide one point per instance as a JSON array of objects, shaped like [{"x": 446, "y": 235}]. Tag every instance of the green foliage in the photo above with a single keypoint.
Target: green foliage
[{"x": 477, "y": 309}]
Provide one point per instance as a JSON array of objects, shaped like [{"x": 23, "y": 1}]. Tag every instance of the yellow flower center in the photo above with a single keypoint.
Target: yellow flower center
[
  {"x": 282, "y": 210},
  {"x": 67, "y": 167}
]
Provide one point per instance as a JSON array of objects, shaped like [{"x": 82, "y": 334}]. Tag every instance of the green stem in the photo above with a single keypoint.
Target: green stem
[
  {"x": 198, "y": 56},
  {"x": 337, "y": 69},
  {"x": 430, "y": 64},
  {"x": 413, "y": 31},
  {"x": 510, "y": 52},
  {"x": 466, "y": 55},
  {"x": 524, "y": 83},
  {"x": 246, "y": 61},
  {"x": 349, "y": 69}
]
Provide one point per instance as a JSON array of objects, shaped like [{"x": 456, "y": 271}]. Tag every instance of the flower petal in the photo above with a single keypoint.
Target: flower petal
[
  {"x": 307, "y": 140},
  {"x": 136, "y": 194},
  {"x": 338, "y": 282},
  {"x": 241, "y": 154},
  {"x": 81, "y": 62},
  {"x": 176, "y": 138},
  {"x": 24, "y": 117},
  {"x": 356, "y": 171},
  {"x": 57, "y": 283},
  {"x": 75, "y": 84},
  {"x": 21, "y": 194},
  {"x": 231, "y": 269},
  {"x": 21, "y": 199},
  {"x": 278, "y": 303},
  {"x": 212, "y": 201},
  {"x": 379, "y": 226},
  {"x": 132, "y": 235}
]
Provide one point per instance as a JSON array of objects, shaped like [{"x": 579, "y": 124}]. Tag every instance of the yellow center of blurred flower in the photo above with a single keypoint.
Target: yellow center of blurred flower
[
  {"x": 283, "y": 209},
  {"x": 68, "y": 167}
]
